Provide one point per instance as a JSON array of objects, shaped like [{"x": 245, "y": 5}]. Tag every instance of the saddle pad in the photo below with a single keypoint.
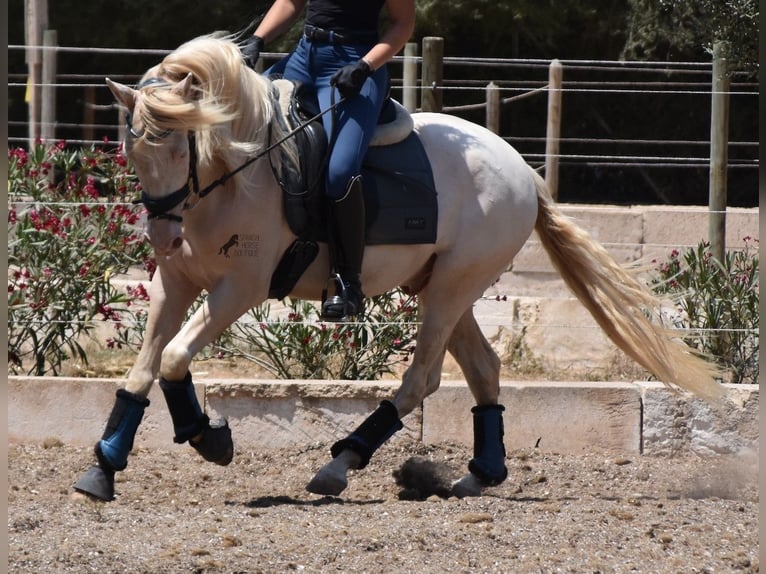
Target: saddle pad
[{"x": 400, "y": 195}]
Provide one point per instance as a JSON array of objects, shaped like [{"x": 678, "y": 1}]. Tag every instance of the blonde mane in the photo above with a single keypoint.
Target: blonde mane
[{"x": 230, "y": 107}]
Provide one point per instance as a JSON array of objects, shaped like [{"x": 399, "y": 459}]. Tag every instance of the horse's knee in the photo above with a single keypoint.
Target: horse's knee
[{"x": 174, "y": 363}]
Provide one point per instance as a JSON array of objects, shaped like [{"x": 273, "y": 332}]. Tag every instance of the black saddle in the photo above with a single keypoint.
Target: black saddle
[{"x": 397, "y": 182}]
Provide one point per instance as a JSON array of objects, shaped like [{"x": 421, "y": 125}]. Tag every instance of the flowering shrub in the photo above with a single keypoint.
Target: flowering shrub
[
  {"x": 300, "y": 347},
  {"x": 71, "y": 229},
  {"x": 717, "y": 303}
]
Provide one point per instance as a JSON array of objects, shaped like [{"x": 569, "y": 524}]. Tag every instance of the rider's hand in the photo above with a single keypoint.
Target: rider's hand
[
  {"x": 350, "y": 79},
  {"x": 251, "y": 50}
]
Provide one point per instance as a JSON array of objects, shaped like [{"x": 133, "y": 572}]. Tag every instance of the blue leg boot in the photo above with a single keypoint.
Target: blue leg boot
[
  {"x": 488, "y": 462},
  {"x": 215, "y": 444},
  {"x": 112, "y": 450}
]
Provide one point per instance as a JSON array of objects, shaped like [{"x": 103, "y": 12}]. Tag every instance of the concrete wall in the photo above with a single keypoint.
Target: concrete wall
[{"x": 557, "y": 417}]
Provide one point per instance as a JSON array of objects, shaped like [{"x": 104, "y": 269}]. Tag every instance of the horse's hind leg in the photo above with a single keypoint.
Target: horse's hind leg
[
  {"x": 481, "y": 368},
  {"x": 421, "y": 379}
]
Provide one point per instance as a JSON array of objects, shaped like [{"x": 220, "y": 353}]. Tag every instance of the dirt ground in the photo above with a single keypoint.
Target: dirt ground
[{"x": 174, "y": 513}]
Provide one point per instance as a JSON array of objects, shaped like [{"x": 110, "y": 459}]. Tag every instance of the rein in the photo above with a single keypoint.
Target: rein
[{"x": 160, "y": 208}]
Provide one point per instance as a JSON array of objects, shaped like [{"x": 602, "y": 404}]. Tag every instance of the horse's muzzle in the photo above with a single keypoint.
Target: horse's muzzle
[{"x": 164, "y": 236}]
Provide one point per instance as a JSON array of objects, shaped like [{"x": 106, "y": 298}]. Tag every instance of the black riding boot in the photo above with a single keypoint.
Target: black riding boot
[{"x": 346, "y": 242}]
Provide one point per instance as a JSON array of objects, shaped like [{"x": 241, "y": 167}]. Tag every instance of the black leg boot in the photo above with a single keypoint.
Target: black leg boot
[
  {"x": 346, "y": 242},
  {"x": 488, "y": 462},
  {"x": 191, "y": 424}
]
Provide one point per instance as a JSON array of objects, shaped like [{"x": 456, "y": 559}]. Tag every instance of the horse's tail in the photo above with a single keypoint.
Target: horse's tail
[{"x": 619, "y": 303}]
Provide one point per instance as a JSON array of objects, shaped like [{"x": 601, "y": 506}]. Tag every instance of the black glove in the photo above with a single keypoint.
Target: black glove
[
  {"x": 350, "y": 79},
  {"x": 251, "y": 50}
]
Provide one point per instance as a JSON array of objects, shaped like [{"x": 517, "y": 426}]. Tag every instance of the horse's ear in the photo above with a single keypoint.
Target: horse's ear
[
  {"x": 183, "y": 88},
  {"x": 122, "y": 93}
]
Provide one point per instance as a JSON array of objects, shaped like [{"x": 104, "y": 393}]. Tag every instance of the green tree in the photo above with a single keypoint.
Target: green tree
[{"x": 678, "y": 29}]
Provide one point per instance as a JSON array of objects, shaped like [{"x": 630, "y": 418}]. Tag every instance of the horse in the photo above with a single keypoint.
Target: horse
[{"x": 203, "y": 132}]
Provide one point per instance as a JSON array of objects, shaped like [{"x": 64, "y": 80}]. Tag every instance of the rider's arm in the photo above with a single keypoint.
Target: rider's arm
[
  {"x": 280, "y": 17},
  {"x": 401, "y": 15}
]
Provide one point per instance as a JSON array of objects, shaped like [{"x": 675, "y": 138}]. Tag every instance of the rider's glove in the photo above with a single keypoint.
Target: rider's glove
[
  {"x": 350, "y": 79},
  {"x": 251, "y": 50}
]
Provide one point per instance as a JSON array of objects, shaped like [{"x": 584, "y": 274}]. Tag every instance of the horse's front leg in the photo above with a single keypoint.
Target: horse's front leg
[
  {"x": 170, "y": 296},
  {"x": 224, "y": 305}
]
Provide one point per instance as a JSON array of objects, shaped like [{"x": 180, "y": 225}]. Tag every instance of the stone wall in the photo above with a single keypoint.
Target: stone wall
[{"x": 564, "y": 417}]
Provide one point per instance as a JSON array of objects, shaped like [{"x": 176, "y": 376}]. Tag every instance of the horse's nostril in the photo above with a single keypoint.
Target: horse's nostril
[{"x": 177, "y": 242}]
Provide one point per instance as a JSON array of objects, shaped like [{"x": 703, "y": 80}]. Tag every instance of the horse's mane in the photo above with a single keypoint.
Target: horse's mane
[{"x": 229, "y": 109}]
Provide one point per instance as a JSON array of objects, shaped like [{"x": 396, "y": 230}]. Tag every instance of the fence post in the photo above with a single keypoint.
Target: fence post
[
  {"x": 89, "y": 113},
  {"x": 493, "y": 107},
  {"x": 410, "y": 77},
  {"x": 719, "y": 134},
  {"x": 553, "y": 129},
  {"x": 433, "y": 63},
  {"x": 35, "y": 22},
  {"x": 48, "y": 90}
]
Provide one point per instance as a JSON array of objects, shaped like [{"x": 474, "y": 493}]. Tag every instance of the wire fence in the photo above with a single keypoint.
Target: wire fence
[{"x": 622, "y": 83}]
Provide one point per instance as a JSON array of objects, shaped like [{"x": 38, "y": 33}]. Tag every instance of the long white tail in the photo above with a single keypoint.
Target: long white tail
[{"x": 619, "y": 303}]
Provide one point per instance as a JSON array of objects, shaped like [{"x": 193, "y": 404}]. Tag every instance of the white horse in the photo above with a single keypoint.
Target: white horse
[{"x": 202, "y": 114}]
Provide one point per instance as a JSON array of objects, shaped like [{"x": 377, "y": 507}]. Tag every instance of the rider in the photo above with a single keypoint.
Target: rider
[{"x": 341, "y": 49}]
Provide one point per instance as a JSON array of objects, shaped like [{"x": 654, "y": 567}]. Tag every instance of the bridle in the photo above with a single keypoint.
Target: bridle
[{"x": 161, "y": 208}]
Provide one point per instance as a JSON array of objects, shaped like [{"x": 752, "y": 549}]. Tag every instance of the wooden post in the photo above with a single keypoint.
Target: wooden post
[
  {"x": 493, "y": 107},
  {"x": 89, "y": 114},
  {"x": 433, "y": 64},
  {"x": 410, "y": 77},
  {"x": 719, "y": 135},
  {"x": 48, "y": 88},
  {"x": 35, "y": 22},
  {"x": 553, "y": 130}
]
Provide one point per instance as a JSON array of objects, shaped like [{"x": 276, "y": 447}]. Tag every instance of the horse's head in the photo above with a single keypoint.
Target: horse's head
[
  {"x": 192, "y": 117},
  {"x": 161, "y": 157}
]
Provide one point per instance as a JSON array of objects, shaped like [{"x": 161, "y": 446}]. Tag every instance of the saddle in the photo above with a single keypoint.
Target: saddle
[{"x": 397, "y": 181}]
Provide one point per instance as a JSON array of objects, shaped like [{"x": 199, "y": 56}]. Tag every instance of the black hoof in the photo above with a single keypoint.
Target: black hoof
[
  {"x": 97, "y": 482},
  {"x": 216, "y": 444}
]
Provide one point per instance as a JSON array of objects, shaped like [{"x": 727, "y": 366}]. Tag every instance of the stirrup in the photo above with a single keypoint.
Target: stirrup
[{"x": 339, "y": 307}]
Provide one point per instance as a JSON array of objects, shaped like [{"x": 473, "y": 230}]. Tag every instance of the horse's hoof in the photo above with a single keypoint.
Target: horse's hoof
[
  {"x": 467, "y": 486},
  {"x": 97, "y": 483},
  {"x": 216, "y": 444},
  {"x": 327, "y": 483}
]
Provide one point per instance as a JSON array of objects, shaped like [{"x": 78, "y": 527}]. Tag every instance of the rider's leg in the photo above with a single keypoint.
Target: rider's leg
[
  {"x": 346, "y": 243},
  {"x": 352, "y": 128}
]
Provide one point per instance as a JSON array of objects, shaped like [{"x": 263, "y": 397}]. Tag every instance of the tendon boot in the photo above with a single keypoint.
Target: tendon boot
[
  {"x": 191, "y": 424},
  {"x": 371, "y": 434},
  {"x": 112, "y": 450},
  {"x": 346, "y": 243},
  {"x": 488, "y": 462}
]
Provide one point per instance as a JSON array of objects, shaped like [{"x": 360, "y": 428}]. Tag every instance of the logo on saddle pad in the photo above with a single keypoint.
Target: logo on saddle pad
[{"x": 240, "y": 245}]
